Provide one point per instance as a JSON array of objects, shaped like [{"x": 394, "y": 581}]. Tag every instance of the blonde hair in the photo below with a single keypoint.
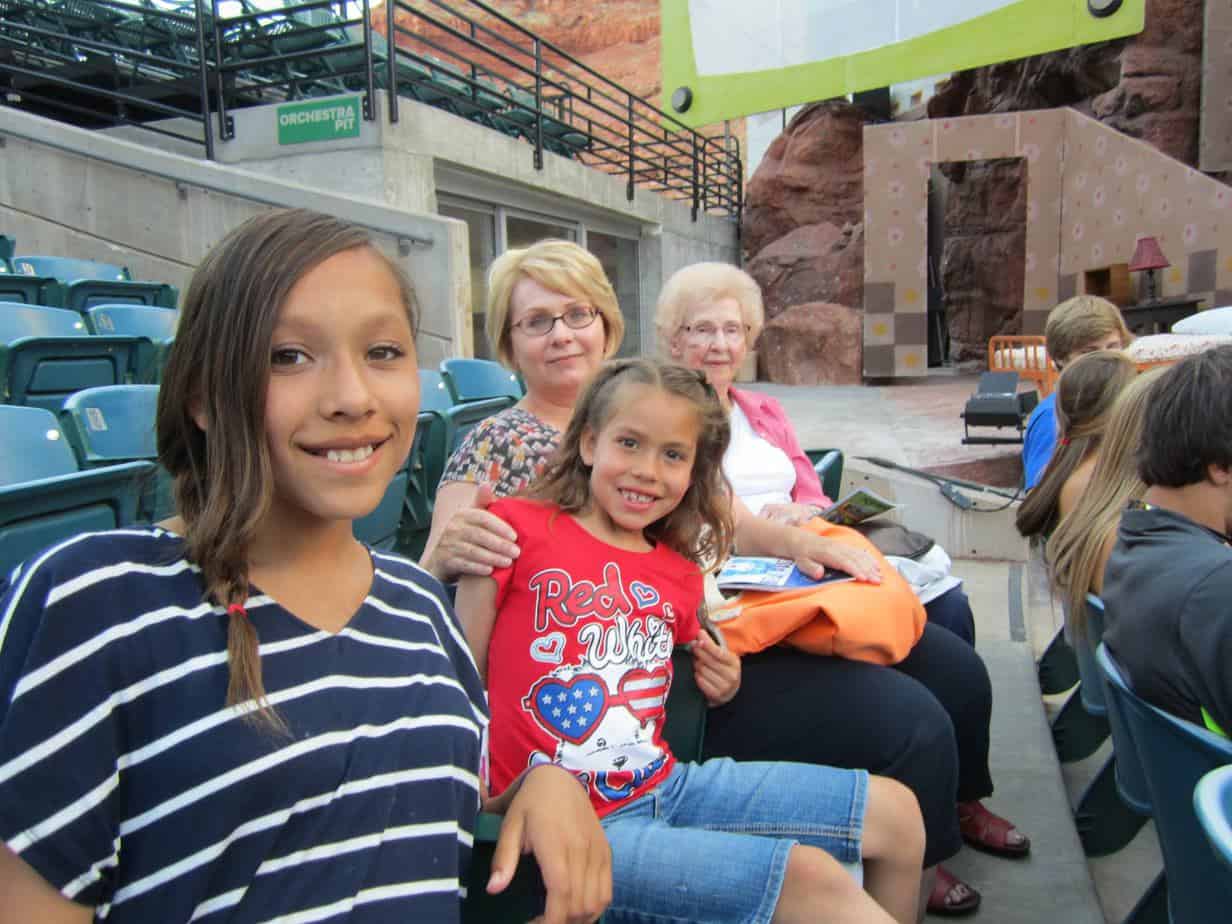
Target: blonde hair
[
  {"x": 561, "y": 266},
  {"x": 1080, "y": 321},
  {"x": 1076, "y": 550},
  {"x": 1086, "y": 392},
  {"x": 706, "y": 283}
]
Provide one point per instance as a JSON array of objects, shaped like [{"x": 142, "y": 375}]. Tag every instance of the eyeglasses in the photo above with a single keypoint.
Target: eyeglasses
[
  {"x": 705, "y": 332},
  {"x": 540, "y": 325}
]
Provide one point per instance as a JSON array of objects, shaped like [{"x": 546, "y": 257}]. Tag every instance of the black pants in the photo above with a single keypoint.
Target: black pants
[{"x": 923, "y": 722}]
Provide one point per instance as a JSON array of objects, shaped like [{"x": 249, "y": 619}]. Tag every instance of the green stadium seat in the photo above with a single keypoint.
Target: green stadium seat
[
  {"x": 463, "y": 418},
  {"x": 115, "y": 424},
  {"x": 44, "y": 499},
  {"x": 46, "y": 354},
  {"x": 83, "y": 294},
  {"x": 156, "y": 325},
  {"x": 379, "y": 529},
  {"x": 429, "y": 453},
  {"x": 19, "y": 320},
  {"x": 434, "y": 393},
  {"x": 1174, "y": 755},
  {"x": 67, "y": 269},
  {"x": 477, "y": 379},
  {"x": 31, "y": 290},
  {"x": 828, "y": 463},
  {"x": 1213, "y": 805}
]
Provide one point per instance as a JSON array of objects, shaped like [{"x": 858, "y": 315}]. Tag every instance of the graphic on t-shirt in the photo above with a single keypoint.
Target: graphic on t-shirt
[
  {"x": 548, "y": 649},
  {"x": 604, "y": 706}
]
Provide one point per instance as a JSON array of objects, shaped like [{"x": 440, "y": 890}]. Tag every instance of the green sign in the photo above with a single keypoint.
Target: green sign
[{"x": 320, "y": 120}]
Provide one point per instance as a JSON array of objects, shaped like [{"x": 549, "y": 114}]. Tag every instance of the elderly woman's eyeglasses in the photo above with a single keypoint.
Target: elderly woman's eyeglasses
[
  {"x": 541, "y": 323},
  {"x": 705, "y": 332}
]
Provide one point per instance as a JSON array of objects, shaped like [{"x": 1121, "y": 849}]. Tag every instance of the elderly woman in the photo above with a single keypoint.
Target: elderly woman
[
  {"x": 708, "y": 315},
  {"x": 552, "y": 316}
]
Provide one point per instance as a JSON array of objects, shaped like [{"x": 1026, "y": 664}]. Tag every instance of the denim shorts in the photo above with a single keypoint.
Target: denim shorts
[{"x": 711, "y": 842}]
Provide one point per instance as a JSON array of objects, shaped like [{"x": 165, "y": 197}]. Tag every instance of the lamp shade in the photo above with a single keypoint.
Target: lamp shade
[{"x": 1147, "y": 256}]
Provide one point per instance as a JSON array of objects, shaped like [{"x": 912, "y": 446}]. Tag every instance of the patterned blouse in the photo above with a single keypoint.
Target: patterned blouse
[{"x": 508, "y": 451}]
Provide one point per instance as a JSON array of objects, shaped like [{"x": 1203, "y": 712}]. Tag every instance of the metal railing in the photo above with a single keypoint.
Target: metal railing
[
  {"x": 110, "y": 62},
  {"x": 103, "y": 63},
  {"x": 560, "y": 104}
]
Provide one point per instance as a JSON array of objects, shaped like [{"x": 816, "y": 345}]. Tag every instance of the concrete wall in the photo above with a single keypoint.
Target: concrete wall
[
  {"x": 399, "y": 164},
  {"x": 67, "y": 191}
]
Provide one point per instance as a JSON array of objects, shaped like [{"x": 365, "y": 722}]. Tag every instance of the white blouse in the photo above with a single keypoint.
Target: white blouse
[{"x": 760, "y": 473}]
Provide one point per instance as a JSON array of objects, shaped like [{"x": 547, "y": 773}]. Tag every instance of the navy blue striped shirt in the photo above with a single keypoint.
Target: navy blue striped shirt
[{"x": 127, "y": 783}]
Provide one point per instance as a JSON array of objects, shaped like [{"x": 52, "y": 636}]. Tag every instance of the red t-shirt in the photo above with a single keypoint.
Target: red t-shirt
[{"x": 580, "y": 660}]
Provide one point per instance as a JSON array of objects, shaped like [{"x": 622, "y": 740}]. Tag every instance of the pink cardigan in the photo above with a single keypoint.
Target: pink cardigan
[{"x": 769, "y": 420}]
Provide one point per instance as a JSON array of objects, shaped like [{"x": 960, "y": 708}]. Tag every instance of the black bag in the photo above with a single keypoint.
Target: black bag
[{"x": 896, "y": 539}]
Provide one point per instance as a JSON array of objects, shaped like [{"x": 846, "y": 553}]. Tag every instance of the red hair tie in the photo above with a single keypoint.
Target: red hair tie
[
  {"x": 237, "y": 609},
  {"x": 1065, "y": 441}
]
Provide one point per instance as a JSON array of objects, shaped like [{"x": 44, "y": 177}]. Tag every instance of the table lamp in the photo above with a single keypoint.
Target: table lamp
[{"x": 1147, "y": 256}]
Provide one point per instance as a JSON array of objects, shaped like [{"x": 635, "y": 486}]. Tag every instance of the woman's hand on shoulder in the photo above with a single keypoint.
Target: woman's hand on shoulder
[
  {"x": 814, "y": 554},
  {"x": 789, "y": 514},
  {"x": 716, "y": 669},
  {"x": 551, "y": 817},
  {"x": 467, "y": 538}
]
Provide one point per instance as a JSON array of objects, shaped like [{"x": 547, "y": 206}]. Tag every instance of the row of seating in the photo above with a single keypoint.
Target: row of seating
[
  {"x": 308, "y": 52},
  {"x": 1156, "y": 763},
  {"x": 62, "y": 282},
  {"x": 46, "y": 354},
  {"x": 112, "y": 428}
]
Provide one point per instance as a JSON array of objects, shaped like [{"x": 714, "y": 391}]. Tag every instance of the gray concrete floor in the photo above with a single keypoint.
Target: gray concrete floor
[
  {"x": 913, "y": 424},
  {"x": 1016, "y": 617}
]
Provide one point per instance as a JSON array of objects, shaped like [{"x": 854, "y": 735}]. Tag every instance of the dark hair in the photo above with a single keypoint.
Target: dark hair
[
  {"x": 218, "y": 367},
  {"x": 701, "y": 526},
  {"x": 1086, "y": 392},
  {"x": 1188, "y": 426}
]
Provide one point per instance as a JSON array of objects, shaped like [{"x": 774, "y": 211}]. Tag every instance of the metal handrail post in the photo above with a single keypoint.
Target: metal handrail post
[
  {"x": 695, "y": 190},
  {"x": 538, "y": 104},
  {"x": 207, "y": 129},
  {"x": 226, "y": 127},
  {"x": 629, "y": 127},
  {"x": 391, "y": 60},
  {"x": 369, "y": 68}
]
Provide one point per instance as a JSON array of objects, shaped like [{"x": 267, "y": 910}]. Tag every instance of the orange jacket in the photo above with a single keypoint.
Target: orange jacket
[{"x": 879, "y": 623}]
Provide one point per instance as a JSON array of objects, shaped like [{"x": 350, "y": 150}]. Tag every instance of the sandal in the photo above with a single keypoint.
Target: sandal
[
  {"x": 988, "y": 832},
  {"x": 951, "y": 897}
]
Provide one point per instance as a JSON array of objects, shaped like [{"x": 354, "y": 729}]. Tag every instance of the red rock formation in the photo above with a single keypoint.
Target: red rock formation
[
  {"x": 1147, "y": 86},
  {"x": 983, "y": 263},
  {"x": 814, "y": 263},
  {"x": 813, "y": 173},
  {"x": 817, "y": 343}
]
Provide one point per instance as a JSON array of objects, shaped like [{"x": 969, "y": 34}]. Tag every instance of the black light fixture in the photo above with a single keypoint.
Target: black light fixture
[{"x": 682, "y": 99}]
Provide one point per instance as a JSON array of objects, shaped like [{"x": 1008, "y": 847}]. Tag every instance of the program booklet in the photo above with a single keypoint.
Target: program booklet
[
  {"x": 748, "y": 572},
  {"x": 860, "y": 505}
]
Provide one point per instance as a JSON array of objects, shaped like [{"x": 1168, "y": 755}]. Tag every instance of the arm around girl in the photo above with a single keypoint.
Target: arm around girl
[{"x": 575, "y": 640}]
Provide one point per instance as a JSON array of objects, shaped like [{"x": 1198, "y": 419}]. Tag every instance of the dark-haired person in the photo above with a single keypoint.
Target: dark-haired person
[
  {"x": 1168, "y": 584},
  {"x": 243, "y": 713}
]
